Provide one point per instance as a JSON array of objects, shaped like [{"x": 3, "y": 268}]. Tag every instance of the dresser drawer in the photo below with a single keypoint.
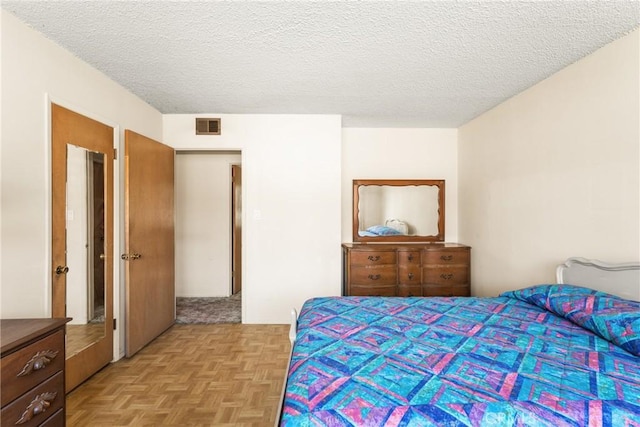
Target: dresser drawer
[
  {"x": 36, "y": 405},
  {"x": 409, "y": 290},
  {"x": 370, "y": 258},
  {"x": 448, "y": 257},
  {"x": 409, "y": 275},
  {"x": 373, "y": 275},
  {"x": 31, "y": 365},
  {"x": 446, "y": 290},
  {"x": 446, "y": 275},
  {"x": 373, "y": 290},
  {"x": 409, "y": 258},
  {"x": 56, "y": 420}
]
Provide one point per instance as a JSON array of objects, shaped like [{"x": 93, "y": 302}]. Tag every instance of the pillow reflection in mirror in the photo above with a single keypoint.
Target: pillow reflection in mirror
[
  {"x": 400, "y": 226},
  {"x": 382, "y": 230}
]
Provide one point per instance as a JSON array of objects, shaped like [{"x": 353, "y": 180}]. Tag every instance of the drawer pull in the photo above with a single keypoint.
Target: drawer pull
[
  {"x": 374, "y": 276},
  {"x": 37, "y": 406},
  {"x": 410, "y": 276},
  {"x": 446, "y": 276},
  {"x": 39, "y": 361},
  {"x": 373, "y": 258},
  {"x": 410, "y": 257},
  {"x": 446, "y": 257}
]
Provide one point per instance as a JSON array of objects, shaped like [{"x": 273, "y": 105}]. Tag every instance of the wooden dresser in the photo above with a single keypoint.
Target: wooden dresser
[
  {"x": 32, "y": 370},
  {"x": 406, "y": 269}
]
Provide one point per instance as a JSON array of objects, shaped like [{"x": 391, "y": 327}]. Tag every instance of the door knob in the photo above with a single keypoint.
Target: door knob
[
  {"x": 127, "y": 257},
  {"x": 103, "y": 256},
  {"x": 62, "y": 269}
]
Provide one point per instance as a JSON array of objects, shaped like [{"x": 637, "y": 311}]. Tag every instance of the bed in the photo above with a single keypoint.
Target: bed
[{"x": 565, "y": 354}]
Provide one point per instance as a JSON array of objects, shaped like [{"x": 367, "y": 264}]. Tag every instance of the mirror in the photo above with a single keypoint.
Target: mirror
[
  {"x": 85, "y": 234},
  {"x": 393, "y": 210}
]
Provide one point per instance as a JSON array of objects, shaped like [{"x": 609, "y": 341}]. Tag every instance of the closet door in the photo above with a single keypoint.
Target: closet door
[
  {"x": 82, "y": 158},
  {"x": 149, "y": 240}
]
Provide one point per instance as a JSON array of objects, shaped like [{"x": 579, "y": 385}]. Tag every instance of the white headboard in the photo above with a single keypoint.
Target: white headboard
[{"x": 617, "y": 279}]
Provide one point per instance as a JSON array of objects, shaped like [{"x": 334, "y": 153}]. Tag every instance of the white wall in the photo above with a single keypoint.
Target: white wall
[
  {"x": 77, "y": 235},
  {"x": 203, "y": 224},
  {"x": 291, "y": 200},
  {"x": 385, "y": 153},
  {"x": 554, "y": 172},
  {"x": 32, "y": 69}
]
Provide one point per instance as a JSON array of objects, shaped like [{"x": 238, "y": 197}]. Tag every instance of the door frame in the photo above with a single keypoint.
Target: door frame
[{"x": 50, "y": 99}]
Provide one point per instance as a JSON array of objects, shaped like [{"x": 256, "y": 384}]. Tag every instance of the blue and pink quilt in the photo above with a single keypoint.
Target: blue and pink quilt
[{"x": 544, "y": 356}]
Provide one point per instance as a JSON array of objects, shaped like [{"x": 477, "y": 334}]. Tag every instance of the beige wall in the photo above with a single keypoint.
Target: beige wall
[
  {"x": 554, "y": 172},
  {"x": 203, "y": 223},
  {"x": 291, "y": 204},
  {"x": 386, "y": 153},
  {"x": 34, "y": 70}
]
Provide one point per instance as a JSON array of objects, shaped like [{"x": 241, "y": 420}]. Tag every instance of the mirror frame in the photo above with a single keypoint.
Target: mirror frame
[{"x": 357, "y": 183}]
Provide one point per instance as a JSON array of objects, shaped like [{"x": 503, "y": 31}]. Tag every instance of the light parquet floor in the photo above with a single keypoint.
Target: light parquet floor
[{"x": 206, "y": 375}]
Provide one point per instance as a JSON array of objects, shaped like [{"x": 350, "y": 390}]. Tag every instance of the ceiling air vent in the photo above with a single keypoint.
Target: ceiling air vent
[{"x": 207, "y": 126}]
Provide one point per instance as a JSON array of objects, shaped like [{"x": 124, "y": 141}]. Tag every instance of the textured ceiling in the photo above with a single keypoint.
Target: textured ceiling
[{"x": 392, "y": 64}]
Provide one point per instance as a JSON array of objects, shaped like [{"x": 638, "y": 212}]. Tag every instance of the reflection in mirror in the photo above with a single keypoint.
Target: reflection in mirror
[
  {"x": 393, "y": 210},
  {"x": 410, "y": 210},
  {"x": 85, "y": 223}
]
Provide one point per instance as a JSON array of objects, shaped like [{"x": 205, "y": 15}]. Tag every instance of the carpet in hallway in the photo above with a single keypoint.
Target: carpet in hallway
[{"x": 208, "y": 310}]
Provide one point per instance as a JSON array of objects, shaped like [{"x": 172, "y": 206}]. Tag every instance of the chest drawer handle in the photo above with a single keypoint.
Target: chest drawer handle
[
  {"x": 410, "y": 257},
  {"x": 37, "y": 406},
  {"x": 410, "y": 277},
  {"x": 40, "y": 360},
  {"x": 373, "y": 258},
  {"x": 374, "y": 276},
  {"x": 446, "y": 276},
  {"x": 446, "y": 257}
]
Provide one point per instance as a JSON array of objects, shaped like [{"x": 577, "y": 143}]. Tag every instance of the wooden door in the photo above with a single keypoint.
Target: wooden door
[
  {"x": 149, "y": 240},
  {"x": 89, "y": 344},
  {"x": 236, "y": 226}
]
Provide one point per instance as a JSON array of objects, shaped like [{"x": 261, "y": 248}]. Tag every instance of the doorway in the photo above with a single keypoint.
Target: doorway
[{"x": 206, "y": 237}]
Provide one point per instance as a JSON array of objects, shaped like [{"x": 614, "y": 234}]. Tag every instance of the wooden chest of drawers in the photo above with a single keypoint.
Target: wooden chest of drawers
[
  {"x": 32, "y": 372},
  {"x": 406, "y": 269}
]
